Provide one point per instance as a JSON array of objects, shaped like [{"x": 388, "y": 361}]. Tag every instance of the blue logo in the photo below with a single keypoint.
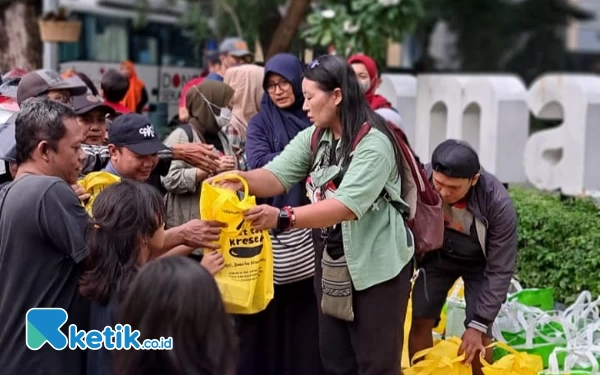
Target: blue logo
[{"x": 42, "y": 325}]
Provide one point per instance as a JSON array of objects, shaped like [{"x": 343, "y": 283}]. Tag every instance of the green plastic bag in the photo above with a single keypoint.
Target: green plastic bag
[
  {"x": 540, "y": 346},
  {"x": 540, "y": 298},
  {"x": 575, "y": 361}
]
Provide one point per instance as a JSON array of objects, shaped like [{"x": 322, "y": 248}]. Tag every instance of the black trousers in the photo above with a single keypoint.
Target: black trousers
[
  {"x": 284, "y": 338},
  {"x": 372, "y": 343}
]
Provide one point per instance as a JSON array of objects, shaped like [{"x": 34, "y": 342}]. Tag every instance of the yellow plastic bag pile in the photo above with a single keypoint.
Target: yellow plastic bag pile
[
  {"x": 458, "y": 290},
  {"x": 443, "y": 359},
  {"x": 246, "y": 282},
  {"x": 94, "y": 183},
  {"x": 516, "y": 363}
]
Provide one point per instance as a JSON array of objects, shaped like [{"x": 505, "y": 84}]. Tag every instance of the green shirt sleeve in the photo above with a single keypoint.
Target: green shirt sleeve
[
  {"x": 292, "y": 165},
  {"x": 372, "y": 165}
]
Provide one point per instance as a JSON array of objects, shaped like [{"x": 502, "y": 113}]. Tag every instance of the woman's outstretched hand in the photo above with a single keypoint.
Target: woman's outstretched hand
[{"x": 263, "y": 217}]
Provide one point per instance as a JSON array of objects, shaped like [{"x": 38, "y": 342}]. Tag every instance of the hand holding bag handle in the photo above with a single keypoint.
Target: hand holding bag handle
[{"x": 223, "y": 197}]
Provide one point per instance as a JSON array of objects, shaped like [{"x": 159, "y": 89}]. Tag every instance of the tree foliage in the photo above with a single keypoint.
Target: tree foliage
[
  {"x": 525, "y": 37},
  {"x": 219, "y": 19},
  {"x": 362, "y": 25}
]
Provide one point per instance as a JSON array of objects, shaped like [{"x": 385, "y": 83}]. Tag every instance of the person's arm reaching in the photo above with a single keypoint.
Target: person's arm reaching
[
  {"x": 181, "y": 178},
  {"x": 319, "y": 215},
  {"x": 361, "y": 186},
  {"x": 199, "y": 155},
  {"x": 501, "y": 262},
  {"x": 500, "y": 266},
  {"x": 194, "y": 234},
  {"x": 281, "y": 174}
]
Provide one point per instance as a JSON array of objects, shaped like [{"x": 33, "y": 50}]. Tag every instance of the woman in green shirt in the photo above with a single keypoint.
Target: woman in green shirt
[{"x": 363, "y": 246}]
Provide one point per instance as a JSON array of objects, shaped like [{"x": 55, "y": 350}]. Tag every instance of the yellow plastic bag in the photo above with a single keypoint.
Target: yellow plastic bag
[
  {"x": 246, "y": 282},
  {"x": 515, "y": 363},
  {"x": 442, "y": 359},
  {"x": 94, "y": 183}
]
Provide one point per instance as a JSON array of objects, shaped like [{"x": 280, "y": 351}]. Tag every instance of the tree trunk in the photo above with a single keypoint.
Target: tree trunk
[
  {"x": 20, "y": 45},
  {"x": 268, "y": 23},
  {"x": 288, "y": 27}
]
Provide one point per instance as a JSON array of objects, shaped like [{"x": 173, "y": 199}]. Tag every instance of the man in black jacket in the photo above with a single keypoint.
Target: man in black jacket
[{"x": 480, "y": 246}]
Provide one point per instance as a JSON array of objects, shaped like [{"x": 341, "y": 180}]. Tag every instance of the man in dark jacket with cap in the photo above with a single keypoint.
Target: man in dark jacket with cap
[{"x": 480, "y": 246}]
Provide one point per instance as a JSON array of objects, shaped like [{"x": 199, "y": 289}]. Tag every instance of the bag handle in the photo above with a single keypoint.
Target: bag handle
[
  {"x": 233, "y": 176},
  {"x": 500, "y": 345},
  {"x": 574, "y": 356},
  {"x": 230, "y": 176},
  {"x": 516, "y": 286},
  {"x": 222, "y": 197},
  {"x": 424, "y": 352}
]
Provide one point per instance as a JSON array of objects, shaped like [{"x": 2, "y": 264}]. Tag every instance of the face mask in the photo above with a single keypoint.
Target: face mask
[
  {"x": 224, "y": 118},
  {"x": 364, "y": 86}
]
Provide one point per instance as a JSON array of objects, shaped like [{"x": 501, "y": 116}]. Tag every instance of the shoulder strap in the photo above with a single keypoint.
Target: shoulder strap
[
  {"x": 315, "y": 138},
  {"x": 187, "y": 128},
  {"x": 364, "y": 130},
  {"x": 314, "y": 145}
]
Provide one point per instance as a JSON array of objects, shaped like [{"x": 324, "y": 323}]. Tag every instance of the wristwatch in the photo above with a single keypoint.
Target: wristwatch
[{"x": 286, "y": 219}]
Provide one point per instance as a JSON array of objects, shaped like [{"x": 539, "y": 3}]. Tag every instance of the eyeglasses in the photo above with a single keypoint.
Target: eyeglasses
[{"x": 283, "y": 86}]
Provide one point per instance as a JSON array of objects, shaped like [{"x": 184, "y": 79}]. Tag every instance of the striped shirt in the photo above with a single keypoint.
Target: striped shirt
[{"x": 293, "y": 256}]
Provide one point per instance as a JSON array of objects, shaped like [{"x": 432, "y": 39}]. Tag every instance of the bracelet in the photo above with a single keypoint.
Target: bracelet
[
  {"x": 292, "y": 218},
  {"x": 291, "y": 215}
]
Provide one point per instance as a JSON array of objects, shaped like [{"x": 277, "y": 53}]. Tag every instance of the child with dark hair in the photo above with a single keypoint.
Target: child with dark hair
[
  {"x": 127, "y": 229},
  {"x": 114, "y": 86},
  {"x": 174, "y": 297}
]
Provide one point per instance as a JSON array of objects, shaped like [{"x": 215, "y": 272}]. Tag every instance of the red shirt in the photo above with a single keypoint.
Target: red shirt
[
  {"x": 191, "y": 83},
  {"x": 118, "y": 107}
]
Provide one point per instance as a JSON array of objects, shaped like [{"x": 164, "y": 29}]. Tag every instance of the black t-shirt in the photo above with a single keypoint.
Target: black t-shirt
[
  {"x": 42, "y": 226},
  {"x": 335, "y": 245}
]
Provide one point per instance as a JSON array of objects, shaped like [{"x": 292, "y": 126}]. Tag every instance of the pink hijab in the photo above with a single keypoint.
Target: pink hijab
[{"x": 246, "y": 81}]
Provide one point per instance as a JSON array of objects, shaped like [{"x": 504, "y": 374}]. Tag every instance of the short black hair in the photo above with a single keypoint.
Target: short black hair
[
  {"x": 213, "y": 58},
  {"x": 114, "y": 85},
  {"x": 176, "y": 297},
  {"x": 455, "y": 159},
  {"x": 40, "y": 119}
]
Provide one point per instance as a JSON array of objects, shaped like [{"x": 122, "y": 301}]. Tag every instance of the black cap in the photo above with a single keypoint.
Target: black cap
[
  {"x": 135, "y": 132},
  {"x": 40, "y": 81},
  {"x": 455, "y": 159},
  {"x": 87, "y": 102}
]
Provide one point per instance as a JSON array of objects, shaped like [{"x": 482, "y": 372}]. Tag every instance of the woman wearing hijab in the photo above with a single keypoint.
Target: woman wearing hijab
[
  {"x": 246, "y": 80},
  {"x": 137, "y": 96},
  {"x": 209, "y": 106},
  {"x": 284, "y": 338},
  {"x": 368, "y": 78}
]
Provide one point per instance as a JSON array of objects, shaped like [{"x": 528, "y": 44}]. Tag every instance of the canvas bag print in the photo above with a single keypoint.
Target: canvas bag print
[{"x": 246, "y": 282}]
